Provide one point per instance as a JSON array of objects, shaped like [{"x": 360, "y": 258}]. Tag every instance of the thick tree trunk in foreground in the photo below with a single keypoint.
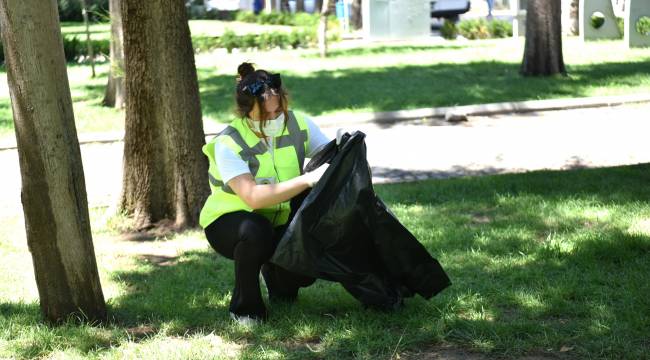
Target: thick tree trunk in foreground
[
  {"x": 115, "y": 93},
  {"x": 322, "y": 28},
  {"x": 543, "y": 50},
  {"x": 165, "y": 172},
  {"x": 53, "y": 189}
]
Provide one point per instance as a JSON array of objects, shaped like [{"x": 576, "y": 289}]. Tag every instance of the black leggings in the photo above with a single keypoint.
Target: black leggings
[{"x": 250, "y": 240}]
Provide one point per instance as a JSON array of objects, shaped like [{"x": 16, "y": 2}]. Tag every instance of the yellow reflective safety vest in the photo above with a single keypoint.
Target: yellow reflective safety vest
[{"x": 286, "y": 163}]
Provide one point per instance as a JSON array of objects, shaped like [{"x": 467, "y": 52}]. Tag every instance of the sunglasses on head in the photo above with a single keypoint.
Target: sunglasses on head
[{"x": 257, "y": 88}]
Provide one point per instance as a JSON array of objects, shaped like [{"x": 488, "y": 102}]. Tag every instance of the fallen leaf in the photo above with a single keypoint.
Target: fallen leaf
[{"x": 566, "y": 348}]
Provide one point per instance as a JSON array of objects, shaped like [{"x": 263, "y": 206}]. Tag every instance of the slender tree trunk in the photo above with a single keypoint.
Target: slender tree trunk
[
  {"x": 268, "y": 5},
  {"x": 355, "y": 18},
  {"x": 300, "y": 6},
  {"x": 322, "y": 28},
  {"x": 318, "y": 5},
  {"x": 165, "y": 172},
  {"x": 284, "y": 6},
  {"x": 89, "y": 44},
  {"x": 114, "y": 95},
  {"x": 53, "y": 188},
  {"x": 543, "y": 49},
  {"x": 574, "y": 11}
]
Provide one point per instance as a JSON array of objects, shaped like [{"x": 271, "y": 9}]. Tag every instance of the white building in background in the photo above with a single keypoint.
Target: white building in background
[{"x": 230, "y": 5}]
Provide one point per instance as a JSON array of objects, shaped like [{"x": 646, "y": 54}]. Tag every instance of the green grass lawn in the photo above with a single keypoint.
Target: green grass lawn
[
  {"x": 383, "y": 78},
  {"x": 545, "y": 264}
]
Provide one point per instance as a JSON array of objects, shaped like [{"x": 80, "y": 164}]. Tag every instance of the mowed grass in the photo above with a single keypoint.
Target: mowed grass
[
  {"x": 545, "y": 264},
  {"x": 382, "y": 77}
]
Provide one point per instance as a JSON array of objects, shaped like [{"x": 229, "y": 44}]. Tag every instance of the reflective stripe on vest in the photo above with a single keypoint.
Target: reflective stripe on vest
[{"x": 295, "y": 137}]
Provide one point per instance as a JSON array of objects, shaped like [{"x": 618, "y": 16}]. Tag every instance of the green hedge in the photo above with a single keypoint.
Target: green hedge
[
  {"x": 70, "y": 10},
  {"x": 484, "y": 29},
  {"x": 449, "y": 30},
  {"x": 74, "y": 48},
  {"x": 279, "y": 18},
  {"x": 268, "y": 40}
]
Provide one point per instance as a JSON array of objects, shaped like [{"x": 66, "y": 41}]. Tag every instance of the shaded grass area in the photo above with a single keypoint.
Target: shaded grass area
[{"x": 547, "y": 263}]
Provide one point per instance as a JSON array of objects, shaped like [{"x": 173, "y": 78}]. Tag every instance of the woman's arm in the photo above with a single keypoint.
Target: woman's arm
[{"x": 262, "y": 196}]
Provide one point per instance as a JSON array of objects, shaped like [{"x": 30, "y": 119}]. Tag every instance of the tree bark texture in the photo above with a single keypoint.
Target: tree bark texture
[
  {"x": 165, "y": 172},
  {"x": 543, "y": 49},
  {"x": 53, "y": 188},
  {"x": 115, "y": 93}
]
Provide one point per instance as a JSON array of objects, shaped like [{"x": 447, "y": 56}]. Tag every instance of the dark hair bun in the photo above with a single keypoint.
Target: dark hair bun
[{"x": 245, "y": 69}]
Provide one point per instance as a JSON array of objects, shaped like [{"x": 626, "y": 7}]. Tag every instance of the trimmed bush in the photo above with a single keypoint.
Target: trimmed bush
[
  {"x": 643, "y": 25},
  {"x": 246, "y": 16},
  {"x": 474, "y": 29},
  {"x": 265, "y": 41},
  {"x": 70, "y": 10},
  {"x": 229, "y": 40},
  {"x": 483, "y": 29},
  {"x": 449, "y": 30},
  {"x": 500, "y": 28},
  {"x": 278, "y": 18},
  {"x": 205, "y": 43},
  {"x": 74, "y": 49}
]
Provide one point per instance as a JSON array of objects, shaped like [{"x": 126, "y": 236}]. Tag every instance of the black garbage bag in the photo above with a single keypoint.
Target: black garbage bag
[{"x": 343, "y": 232}]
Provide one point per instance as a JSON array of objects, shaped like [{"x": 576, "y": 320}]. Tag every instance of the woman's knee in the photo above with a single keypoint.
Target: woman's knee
[{"x": 256, "y": 231}]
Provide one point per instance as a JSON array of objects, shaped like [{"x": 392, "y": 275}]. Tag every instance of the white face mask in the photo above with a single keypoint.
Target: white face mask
[{"x": 272, "y": 128}]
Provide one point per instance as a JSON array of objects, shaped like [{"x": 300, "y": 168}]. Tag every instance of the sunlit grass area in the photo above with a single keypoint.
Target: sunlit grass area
[
  {"x": 546, "y": 264},
  {"x": 361, "y": 77}
]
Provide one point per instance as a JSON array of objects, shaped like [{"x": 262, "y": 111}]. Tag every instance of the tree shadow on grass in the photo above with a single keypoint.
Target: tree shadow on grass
[
  {"x": 409, "y": 87},
  {"x": 540, "y": 262}
]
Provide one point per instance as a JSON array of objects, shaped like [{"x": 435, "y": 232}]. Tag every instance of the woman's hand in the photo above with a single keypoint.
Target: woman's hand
[{"x": 312, "y": 177}]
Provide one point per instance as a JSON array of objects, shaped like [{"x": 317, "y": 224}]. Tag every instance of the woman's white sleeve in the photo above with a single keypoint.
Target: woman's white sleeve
[
  {"x": 229, "y": 164},
  {"x": 316, "y": 138}
]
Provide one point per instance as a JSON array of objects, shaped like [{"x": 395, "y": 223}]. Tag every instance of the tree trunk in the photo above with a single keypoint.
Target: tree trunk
[
  {"x": 165, "y": 173},
  {"x": 284, "y": 6},
  {"x": 53, "y": 188},
  {"x": 318, "y": 5},
  {"x": 574, "y": 14},
  {"x": 300, "y": 5},
  {"x": 543, "y": 49},
  {"x": 89, "y": 44},
  {"x": 322, "y": 28},
  {"x": 355, "y": 18},
  {"x": 114, "y": 95}
]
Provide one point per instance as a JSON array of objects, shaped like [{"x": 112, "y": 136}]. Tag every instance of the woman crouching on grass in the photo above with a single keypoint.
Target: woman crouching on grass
[{"x": 255, "y": 170}]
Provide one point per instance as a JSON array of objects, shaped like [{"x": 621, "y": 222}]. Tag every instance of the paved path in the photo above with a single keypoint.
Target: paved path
[{"x": 408, "y": 151}]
